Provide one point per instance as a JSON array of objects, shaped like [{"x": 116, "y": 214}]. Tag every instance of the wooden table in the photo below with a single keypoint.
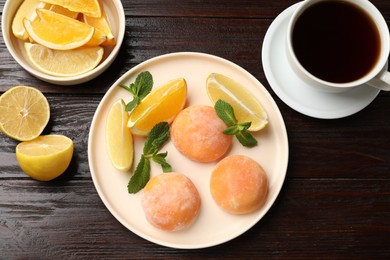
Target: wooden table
[{"x": 335, "y": 202}]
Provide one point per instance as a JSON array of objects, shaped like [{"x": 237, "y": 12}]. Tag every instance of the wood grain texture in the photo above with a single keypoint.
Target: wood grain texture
[{"x": 334, "y": 204}]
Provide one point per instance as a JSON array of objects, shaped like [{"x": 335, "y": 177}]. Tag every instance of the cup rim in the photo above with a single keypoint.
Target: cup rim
[
  {"x": 375, "y": 16},
  {"x": 6, "y": 24}
]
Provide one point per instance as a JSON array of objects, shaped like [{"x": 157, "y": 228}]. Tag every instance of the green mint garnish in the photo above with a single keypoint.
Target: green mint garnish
[
  {"x": 139, "y": 89},
  {"x": 225, "y": 111},
  {"x": 156, "y": 139}
]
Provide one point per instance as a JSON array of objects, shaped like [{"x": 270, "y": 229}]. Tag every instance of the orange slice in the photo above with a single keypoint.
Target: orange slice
[
  {"x": 70, "y": 33},
  {"x": 26, "y": 10},
  {"x": 87, "y": 7},
  {"x": 101, "y": 24},
  {"x": 162, "y": 104},
  {"x": 62, "y": 10}
]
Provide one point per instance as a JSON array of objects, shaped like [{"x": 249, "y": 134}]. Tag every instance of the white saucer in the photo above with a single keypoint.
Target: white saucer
[{"x": 297, "y": 94}]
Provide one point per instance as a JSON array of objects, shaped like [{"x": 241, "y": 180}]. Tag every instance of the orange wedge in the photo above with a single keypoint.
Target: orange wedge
[
  {"x": 57, "y": 31},
  {"x": 101, "y": 24},
  {"x": 62, "y": 10},
  {"x": 97, "y": 39},
  {"x": 26, "y": 10},
  {"x": 162, "y": 104},
  {"x": 87, "y": 7}
]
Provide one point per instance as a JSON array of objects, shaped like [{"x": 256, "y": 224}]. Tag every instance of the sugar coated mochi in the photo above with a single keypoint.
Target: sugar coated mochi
[
  {"x": 197, "y": 132},
  {"x": 239, "y": 185},
  {"x": 170, "y": 201}
]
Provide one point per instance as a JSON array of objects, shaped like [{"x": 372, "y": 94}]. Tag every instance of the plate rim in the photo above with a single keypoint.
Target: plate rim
[{"x": 134, "y": 70}]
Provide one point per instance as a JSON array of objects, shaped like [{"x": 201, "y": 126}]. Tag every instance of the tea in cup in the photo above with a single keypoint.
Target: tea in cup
[{"x": 336, "y": 45}]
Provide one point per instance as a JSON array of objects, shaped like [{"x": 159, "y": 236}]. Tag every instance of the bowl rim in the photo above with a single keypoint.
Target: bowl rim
[{"x": 73, "y": 80}]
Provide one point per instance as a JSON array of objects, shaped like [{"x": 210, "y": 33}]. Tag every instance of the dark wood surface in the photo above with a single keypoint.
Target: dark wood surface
[{"x": 335, "y": 202}]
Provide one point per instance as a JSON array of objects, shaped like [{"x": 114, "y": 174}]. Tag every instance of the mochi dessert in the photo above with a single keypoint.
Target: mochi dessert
[
  {"x": 170, "y": 201},
  {"x": 197, "y": 132},
  {"x": 239, "y": 185}
]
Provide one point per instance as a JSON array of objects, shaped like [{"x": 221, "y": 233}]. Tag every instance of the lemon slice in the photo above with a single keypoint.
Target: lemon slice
[
  {"x": 45, "y": 157},
  {"x": 64, "y": 63},
  {"x": 160, "y": 105},
  {"x": 119, "y": 140},
  {"x": 88, "y": 7},
  {"x": 246, "y": 107},
  {"x": 57, "y": 31},
  {"x": 26, "y": 10},
  {"x": 24, "y": 114}
]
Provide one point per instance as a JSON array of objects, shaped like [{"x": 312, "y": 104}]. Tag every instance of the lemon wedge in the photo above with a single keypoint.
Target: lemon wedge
[
  {"x": 246, "y": 107},
  {"x": 119, "y": 140},
  {"x": 25, "y": 113},
  {"x": 46, "y": 157},
  {"x": 64, "y": 63}
]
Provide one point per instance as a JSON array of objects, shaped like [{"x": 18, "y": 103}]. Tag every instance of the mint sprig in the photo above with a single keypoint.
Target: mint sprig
[
  {"x": 154, "y": 142},
  {"x": 139, "y": 89},
  {"x": 225, "y": 111}
]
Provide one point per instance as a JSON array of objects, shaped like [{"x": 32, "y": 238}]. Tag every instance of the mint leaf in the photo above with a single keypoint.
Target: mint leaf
[
  {"x": 232, "y": 130},
  {"x": 141, "y": 176},
  {"x": 157, "y": 137},
  {"x": 160, "y": 159},
  {"x": 132, "y": 104},
  {"x": 246, "y": 139},
  {"x": 226, "y": 113},
  {"x": 143, "y": 84},
  {"x": 140, "y": 89}
]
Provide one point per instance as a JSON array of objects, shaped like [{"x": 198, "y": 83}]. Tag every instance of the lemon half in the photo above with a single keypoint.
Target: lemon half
[
  {"x": 24, "y": 114},
  {"x": 45, "y": 157}
]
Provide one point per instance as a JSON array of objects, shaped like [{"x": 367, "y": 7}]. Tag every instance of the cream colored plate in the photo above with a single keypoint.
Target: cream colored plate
[{"x": 213, "y": 226}]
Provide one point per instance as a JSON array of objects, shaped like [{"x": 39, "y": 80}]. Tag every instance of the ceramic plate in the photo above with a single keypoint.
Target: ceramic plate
[
  {"x": 213, "y": 226},
  {"x": 297, "y": 94}
]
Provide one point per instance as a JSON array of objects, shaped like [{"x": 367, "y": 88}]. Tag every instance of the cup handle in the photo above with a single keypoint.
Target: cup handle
[{"x": 381, "y": 81}]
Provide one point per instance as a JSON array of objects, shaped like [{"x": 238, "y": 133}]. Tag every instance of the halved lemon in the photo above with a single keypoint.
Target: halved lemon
[
  {"x": 160, "y": 105},
  {"x": 24, "y": 114},
  {"x": 57, "y": 31},
  {"x": 246, "y": 107},
  {"x": 64, "y": 63},
  {"x": 119, "y": 140},
  {"x": 26, "y": 10},
  {"x": 88, "y": 7},
  {"x": 45, "y": 157}
]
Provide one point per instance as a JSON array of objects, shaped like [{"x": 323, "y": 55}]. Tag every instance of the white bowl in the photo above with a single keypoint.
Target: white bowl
[{"x": 116, "y": 16}]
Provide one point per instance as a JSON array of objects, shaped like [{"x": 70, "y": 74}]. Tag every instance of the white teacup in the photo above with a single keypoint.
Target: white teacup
[{"x": 376, "y": 75}]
